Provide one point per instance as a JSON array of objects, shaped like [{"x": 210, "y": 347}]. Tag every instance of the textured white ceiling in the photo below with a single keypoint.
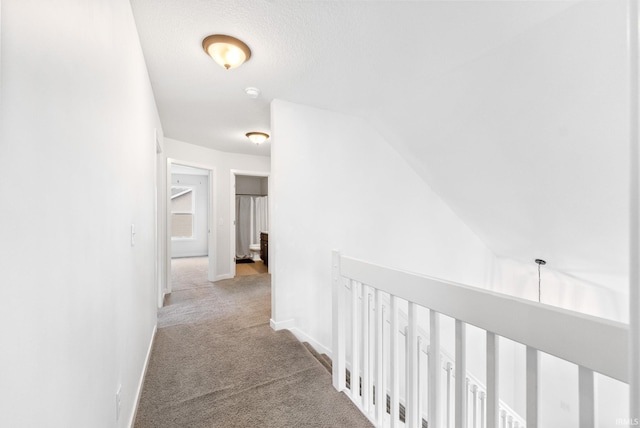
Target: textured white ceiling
[
  {"x": 349, "y": 56},
  {"x": 513, "y": 111}
]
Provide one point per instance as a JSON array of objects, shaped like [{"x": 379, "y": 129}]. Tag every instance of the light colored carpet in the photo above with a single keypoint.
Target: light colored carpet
[{"x": 216, "y": 362}]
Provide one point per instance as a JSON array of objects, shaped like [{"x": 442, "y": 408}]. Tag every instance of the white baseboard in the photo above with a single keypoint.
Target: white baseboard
[
  {"x": 142, "y": 376},
  {"x": 186, "y": 255},
  {"x": 282, "y": 325},
  {"x": 225, "y": 276},
  {"x": 303, "y": 337},
  {"x": 300, "y": 335}
]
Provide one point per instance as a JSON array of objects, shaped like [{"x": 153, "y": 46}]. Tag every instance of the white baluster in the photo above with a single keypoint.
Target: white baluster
[
  {"x": 386, "y": 341},
  {"x": 434, "y": 373},
  {"x": 395, "y": 380},
  {"x": 503, "y": 419},
  {"x": 411, "y": 343},
  {"x": 449, "y": 385},
  {"x": 493, "y": 397},
  {"x": 339, "y": 366},
  {"x": 419, "y": 377},
  {"x": 380, "y": 397},
  {"x": 355, "y": 347},
  {"x": 533, "y": 362},
  {"x": 366, "y": 374},
  {"x": 510, "y": 421},
  {"x": 467, "y": 389},
  {"x": 586, "y": 398},
  {"x": 474, "y": 406},
  {"x": 461, "y": 370},
  {"x": 483, "y": 416}
]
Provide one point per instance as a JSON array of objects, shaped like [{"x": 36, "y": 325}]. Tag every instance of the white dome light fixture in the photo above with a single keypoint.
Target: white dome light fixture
[
  {"x": 227, "y": 51},
  {"x": 257, "y": 138}
]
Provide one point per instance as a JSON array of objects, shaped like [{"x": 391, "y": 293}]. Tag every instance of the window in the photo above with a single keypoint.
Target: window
[{"x": 182, "y": 211}]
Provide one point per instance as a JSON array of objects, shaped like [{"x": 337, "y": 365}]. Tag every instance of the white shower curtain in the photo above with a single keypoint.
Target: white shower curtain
[
  {"x": 261, "y": 218},
  {"x": 252, "y": 217}
]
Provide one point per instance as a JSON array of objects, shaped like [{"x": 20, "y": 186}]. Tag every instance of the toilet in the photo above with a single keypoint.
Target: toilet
[{"x": 255, "y": 252}]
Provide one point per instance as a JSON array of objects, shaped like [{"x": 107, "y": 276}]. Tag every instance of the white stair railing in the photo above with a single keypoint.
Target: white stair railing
[
  {"x": 476, "y": 390},
  {"x": 360, "y": 291}
]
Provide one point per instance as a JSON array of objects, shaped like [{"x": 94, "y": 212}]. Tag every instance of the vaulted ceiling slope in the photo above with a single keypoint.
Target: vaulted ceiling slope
[{"x": 515, "y": 112}]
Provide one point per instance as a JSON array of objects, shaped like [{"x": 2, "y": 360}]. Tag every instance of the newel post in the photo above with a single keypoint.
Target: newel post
[{"x": 337, "y": 310}]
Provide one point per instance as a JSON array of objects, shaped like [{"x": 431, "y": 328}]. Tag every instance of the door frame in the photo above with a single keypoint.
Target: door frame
[
  {"x": 211, "y": 215},
  {"x": 232, "y": 210},
  {"x": 160, "y": 221}
]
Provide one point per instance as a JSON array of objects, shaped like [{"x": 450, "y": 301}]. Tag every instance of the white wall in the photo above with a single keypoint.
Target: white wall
[
  {"x": 246, "y": 185},
  {"x": 198, "y": 245},
  {"x": 79, "y": 301},
  {"x": 222, "y": 163},
  {"x": 359, "y": 197},
  {"x": 560, "y": 289}
]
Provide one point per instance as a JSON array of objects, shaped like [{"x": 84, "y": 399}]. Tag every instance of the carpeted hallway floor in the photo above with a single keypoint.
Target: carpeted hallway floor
[{"x": 216, "y": 362}]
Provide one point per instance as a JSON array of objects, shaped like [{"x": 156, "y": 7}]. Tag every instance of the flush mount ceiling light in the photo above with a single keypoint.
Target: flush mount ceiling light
[
  {"x": 227, "y": 51},
  {"x": 257, "y": 137}
]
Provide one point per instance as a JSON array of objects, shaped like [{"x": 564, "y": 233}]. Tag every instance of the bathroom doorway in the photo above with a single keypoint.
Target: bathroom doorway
[{"x": 250, "y": 211}]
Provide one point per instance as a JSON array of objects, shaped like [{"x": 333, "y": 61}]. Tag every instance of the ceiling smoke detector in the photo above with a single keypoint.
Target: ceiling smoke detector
[{"x": 252, "y": 92}]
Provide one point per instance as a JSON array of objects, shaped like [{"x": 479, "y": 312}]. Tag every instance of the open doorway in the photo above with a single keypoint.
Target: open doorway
[
  {"x": 189, "y": 207},
  {"x": 189, "y": 218},
  {"x": 250, "y": 234}
]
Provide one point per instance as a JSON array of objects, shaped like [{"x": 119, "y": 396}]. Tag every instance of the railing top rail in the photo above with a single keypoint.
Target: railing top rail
[{"x": 595, "y": 343}]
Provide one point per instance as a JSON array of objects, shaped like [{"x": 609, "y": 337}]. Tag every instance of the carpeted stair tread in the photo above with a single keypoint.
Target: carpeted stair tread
[
  {"x": 326, "y": 361},
  {"x": 322, "y": 358}
]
